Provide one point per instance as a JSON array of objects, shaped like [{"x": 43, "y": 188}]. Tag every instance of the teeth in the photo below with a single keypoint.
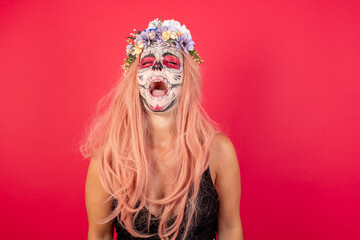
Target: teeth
[
  {"x": 164, "y": 80},
  {"x": 158, "y": 98}
]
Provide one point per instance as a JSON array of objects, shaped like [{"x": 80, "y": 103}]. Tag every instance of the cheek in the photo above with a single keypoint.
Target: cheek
[
  {"x": 175, "y": 78},
  {"x": 176, "y": 92},
  {"x": 143, "y": 93},
  {"x": 180, "y": 77},
  {"x": 140, "y": 78}
]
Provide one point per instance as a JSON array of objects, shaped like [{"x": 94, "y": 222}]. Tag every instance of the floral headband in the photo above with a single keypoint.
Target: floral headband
[{"x": 158, "y": 31}]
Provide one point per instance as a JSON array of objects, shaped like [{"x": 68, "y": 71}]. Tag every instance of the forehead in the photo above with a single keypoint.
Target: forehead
[{"x": 162, "y": 48}]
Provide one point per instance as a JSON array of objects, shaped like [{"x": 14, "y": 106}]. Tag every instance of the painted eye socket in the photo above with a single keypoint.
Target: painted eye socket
[
  {"x": 171, "y": 61},
  {"x": 147, "y": 62}
]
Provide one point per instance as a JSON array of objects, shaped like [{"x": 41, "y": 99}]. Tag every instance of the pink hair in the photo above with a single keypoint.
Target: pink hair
[{"x": 120, "y": 129}]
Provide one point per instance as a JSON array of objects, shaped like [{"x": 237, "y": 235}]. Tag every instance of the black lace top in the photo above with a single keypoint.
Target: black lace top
[{"x": 207, "y": 216}]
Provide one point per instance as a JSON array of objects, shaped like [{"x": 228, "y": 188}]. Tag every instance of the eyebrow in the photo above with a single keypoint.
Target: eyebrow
[
  {"x": 167, "y": 53},
  {"x": 148, "y": 55}
]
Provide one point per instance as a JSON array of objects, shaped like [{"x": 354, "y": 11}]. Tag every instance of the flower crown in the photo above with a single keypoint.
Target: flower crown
[{"x": 158, "y": 31}]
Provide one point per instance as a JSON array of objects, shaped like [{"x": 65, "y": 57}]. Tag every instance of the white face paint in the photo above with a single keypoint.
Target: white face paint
[{"x": 160, "y": 76}]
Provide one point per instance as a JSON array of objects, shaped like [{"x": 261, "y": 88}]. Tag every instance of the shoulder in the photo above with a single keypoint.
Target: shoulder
[
  {"x": 96, "y": 197},
  {"x": 93, "y": 186},
  {"x": 222, "y": 151},
  {"x": 221, "y": 143},
  {"x": 223, "y": 158},
  {"x": 227, "y": 184}
]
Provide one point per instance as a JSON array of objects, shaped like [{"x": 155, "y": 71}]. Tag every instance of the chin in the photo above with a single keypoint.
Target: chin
[{"x": 160, "y": 109}]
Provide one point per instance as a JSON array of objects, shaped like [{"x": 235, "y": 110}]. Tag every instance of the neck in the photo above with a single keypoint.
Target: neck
[{"x": 161, "y": 127}]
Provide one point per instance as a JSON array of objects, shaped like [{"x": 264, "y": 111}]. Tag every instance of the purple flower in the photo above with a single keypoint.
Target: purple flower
[
  {"x": 159, "y": 31},
  {"x": 163, "y": 29},
  {"x": 144, "y": 38},
  {"x": 129, "y": 49},
  {"x": 185, "y": 42},
  {"x": 152, "y": 34}
]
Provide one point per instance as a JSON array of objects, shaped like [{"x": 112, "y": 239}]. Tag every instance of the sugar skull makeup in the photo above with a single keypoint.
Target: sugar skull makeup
[{"x": 160, "y": 76}]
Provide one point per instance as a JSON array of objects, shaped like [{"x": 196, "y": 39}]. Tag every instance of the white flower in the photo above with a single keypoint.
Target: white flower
[
  {"x": 183, "y": 30},
  {"x": 154, "y": 24},
  {"x": 172, "y": 24},
  {"x": 173, "y": 35}
]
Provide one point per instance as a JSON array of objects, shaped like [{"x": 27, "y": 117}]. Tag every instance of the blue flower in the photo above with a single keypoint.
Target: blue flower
[{"x": 150, "y": 29}]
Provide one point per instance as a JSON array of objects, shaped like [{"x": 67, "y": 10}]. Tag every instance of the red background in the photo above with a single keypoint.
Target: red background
[{"x": 281, "y": 76}]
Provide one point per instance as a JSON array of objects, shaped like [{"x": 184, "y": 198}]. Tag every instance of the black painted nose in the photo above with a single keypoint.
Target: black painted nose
[{"x": 157, "y": 66}]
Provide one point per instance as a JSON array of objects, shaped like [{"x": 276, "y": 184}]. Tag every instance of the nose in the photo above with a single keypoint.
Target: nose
[{"x": 157, "y": 66}]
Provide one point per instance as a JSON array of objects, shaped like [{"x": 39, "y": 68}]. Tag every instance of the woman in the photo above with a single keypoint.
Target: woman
[{"x": 159, "y": 168}]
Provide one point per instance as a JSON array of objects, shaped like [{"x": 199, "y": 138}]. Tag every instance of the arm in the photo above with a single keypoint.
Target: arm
[
  {"x": 228, "y": 187},
  {"x": 95, "y": 196}
]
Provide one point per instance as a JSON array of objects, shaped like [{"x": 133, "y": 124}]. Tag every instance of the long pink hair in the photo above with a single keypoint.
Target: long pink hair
[{"x": 120, "y": 129}]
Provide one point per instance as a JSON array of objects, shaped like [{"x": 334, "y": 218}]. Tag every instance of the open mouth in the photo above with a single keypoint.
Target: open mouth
[{"x": 158, "y": 87}]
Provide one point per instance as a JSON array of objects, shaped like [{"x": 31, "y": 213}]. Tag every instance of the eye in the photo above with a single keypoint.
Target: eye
[
  {"x": 147, "y": 62},
  {"x": 171, "y": 61}
]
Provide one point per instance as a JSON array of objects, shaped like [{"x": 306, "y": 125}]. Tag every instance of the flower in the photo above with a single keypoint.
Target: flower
[
  {"x": 129, "y": 49},
  {"x": 175, "y": 24},
  {"x": 166, "y": 35},
  {"x": 173, "y": 35},
  {"x": 152, "y": 34},
  {"x": 140, "y": 44},
  {"x": 185, "y": 42},
  {"x": 158, "y": 35},
  {"x": 183, "y": 30},
  {"x": 136, "y": 51},
  {"x": 157, "y": 31},
  {"x": 154, "y": 24},
  {"x": 144, "y": 38},
  {"x": 172, "y": 23}
]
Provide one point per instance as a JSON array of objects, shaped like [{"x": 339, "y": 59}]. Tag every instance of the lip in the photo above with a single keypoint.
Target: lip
[{"x": 158, "y": 79}]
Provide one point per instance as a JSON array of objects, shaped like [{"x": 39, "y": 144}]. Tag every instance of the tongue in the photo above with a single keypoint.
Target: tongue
[{"x": 158, "y": 92}]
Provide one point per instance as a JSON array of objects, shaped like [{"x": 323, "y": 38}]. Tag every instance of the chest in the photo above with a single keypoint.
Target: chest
[{"x": 162, "y": 175}]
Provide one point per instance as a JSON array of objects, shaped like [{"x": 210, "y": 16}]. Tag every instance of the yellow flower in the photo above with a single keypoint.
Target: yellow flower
[
  {"x": 173, "y": 35},
  {"x": 179, "y": 33},
  {"x": 136, "y": 51},
  {"x": 151, "y": 35},
  {"x": 140, "y": 44},
  {"x": 166, "y": 35}
]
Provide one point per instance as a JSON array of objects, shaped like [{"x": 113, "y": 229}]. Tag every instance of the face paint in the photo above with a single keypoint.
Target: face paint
[{"x": 160, "y": 76}]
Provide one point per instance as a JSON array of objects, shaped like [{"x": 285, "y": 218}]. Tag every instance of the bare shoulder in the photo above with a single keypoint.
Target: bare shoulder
[
  {"x": 95, "y": 199},
  {"x": 222, "y": 154},
  {"x": 228, "y": 186},
  {"x": 222, "y": 143}
]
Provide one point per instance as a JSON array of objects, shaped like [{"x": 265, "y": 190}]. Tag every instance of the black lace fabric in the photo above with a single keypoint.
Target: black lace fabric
[{"x": 206, "y": 226}]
